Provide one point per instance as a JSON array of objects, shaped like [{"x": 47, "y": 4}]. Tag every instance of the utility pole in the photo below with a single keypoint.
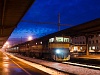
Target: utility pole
[
  {"x": 21, "y": 39},
  {"x": 59, "y": 22}
]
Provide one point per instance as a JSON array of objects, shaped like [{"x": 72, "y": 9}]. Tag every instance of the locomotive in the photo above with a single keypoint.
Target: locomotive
[{"x": 55, "y": 48}]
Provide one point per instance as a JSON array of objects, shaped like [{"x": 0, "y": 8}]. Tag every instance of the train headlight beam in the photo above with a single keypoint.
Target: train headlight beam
[{"x": 58, "y": 51}]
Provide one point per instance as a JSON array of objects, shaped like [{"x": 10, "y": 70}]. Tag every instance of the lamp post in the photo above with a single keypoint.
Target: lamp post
[
  {"x": 6, "y": 45},
  {"x": 30, "y": 38},
  {"x": 29, "y": 48}
]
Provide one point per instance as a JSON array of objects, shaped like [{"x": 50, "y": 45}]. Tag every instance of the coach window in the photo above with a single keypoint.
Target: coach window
[{"x": 41, "y": 42}]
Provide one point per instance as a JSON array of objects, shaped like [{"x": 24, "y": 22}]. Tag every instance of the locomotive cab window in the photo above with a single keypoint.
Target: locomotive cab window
[
  {"x": 59, "y": 39},
  {"x": 51, "y": 40},
  {"x": 66, "y": 39}
]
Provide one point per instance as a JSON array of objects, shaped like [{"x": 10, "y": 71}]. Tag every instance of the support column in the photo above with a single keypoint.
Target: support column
[{"x": 87, "y": 45}]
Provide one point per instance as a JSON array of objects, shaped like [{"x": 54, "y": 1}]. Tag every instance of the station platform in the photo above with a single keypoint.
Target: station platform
[
  {"x": 55, "y": 68},
  {"x": 97, "y": 57},
  {"x": 87, "y": 59}
]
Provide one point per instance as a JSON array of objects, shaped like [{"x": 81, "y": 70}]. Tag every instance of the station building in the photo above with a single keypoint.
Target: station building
[{"x": 79, "y": 43}]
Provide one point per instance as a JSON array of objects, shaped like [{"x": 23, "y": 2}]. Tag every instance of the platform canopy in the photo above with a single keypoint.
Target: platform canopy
[
  {"x": 86, "y": 29},
  {"x": 89, "y": 28},
  {"x": 11, "y": 12}
]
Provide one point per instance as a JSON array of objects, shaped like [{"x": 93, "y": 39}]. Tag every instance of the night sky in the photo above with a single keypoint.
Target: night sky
[{"x": 72, "y": 12}]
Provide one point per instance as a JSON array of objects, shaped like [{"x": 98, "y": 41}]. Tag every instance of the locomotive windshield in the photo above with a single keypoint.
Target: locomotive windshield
[{"x": 59, "y": 39}]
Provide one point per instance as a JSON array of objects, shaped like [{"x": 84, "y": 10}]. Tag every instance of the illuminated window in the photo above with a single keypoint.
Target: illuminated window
[
  {"x": 51, "y": 40},
  {"x": 89, "y": 48},
  {"x": 14, "y": 48},
  {"x": 80, "y": 48},
  {"x": 17, "y": 47},
  {"x": 66, "y": 39},
  {"x": 75, "y": 48},
  {"x": 96, "y": 47},
  {"x": 93, "y": 47}
]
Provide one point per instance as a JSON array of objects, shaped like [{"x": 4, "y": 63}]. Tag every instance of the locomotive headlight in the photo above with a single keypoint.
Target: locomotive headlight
[{"x": 58, "y": 51}]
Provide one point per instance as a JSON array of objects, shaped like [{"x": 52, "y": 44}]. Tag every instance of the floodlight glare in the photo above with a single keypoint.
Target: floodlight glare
[{"x": 29, "y": 38}]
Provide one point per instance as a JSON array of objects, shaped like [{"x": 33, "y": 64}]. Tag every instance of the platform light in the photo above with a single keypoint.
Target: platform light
[
  {"x": 4, "y": 45},
  {"x": 30, "y": 38},
  {"x": 7, "y": 43}
]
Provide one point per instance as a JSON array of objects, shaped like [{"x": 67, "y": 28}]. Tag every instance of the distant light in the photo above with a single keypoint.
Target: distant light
[
  {"x": 4, "y": 45},
  {"x": 41, "y": 42},
  {"x": 7, "y": 43},
  {"x": 8, "y": 46},
  {"x": 30, "y": 38}
]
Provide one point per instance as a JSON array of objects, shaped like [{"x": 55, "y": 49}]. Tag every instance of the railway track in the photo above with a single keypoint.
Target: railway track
[
  {"x": 88, "y": 63},
  {"x": 66, "y": 65}
]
